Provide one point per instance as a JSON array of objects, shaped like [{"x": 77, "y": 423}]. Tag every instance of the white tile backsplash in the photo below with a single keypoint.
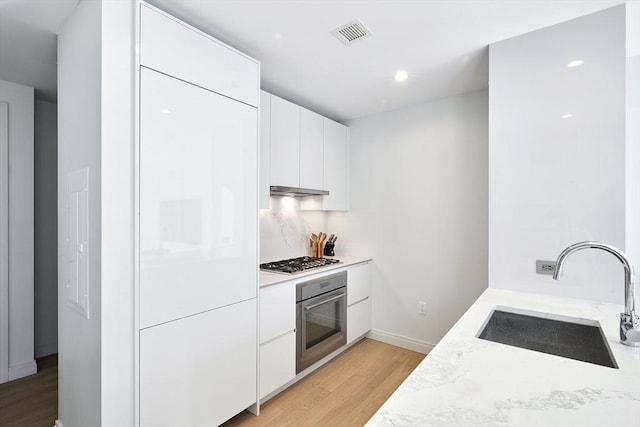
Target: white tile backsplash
[{"x": 285, "y": 229}]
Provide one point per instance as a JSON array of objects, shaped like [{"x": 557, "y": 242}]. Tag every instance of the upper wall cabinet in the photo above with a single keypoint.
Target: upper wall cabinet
[
  {"x": 285, "y": 143},
  {"x": 311, "y": 150},
  {"x": 168, "y": 45},
  {"x": 335, "y": 166},
  {"x": 302, "y": 149},
  {"x": 296, "y": 146}
]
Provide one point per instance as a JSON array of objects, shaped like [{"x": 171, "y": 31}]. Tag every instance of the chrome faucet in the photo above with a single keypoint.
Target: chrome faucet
[{"x": 629, "y": 319}]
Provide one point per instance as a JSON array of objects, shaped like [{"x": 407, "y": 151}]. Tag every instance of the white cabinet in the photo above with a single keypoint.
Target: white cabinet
[
  {"x": 277, "y": 310},
  {"x": 278, "y": 325},
  {"x": 285, "y": 143},
  {"x": 200, "y": 370},
  {"x": 198, "y": 226},
  {"x": 265, "y": 149},
  {"x": 311, "y": 150},
  {"x": 335, "y": 166},
  {"x": 277, "y": 363},
  {"x": 277, "y": 336},
  {"x": 168, "y": 45},
  {"x": 301, "y": 148},
  {"x": 198, "y": 199},
  {"x": 358, "y": 301},
  {"x": 359, "y": 320},
  {"x": 296, "y": 145}
]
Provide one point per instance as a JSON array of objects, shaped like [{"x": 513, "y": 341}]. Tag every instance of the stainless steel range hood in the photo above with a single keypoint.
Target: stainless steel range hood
[{"x": 278, "y": 190}]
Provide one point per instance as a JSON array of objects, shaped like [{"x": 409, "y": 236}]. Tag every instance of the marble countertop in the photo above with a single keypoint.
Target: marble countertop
[
  {"x": 465, "y": 381},
  {"x": 267, "y": 278}
]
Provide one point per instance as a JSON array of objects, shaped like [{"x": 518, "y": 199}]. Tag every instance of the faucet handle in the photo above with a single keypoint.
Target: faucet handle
[{"x": 630, "y": 329}]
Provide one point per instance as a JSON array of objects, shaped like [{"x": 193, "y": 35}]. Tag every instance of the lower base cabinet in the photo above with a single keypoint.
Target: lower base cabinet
[
  {"x": 358, "y": 301},
  {"x": 278, "y": 323},
  {"x": 277, "y": 363},
  {"x": 358, "y": 319},
  {"x": 200, "y": 370}
]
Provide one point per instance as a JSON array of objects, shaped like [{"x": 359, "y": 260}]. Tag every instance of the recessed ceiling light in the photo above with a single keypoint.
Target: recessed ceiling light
[
  {"x": 567, "y": 116},
  {"x": 576, "y": 63},
  {"x": 165, "y": 111},
  {"x": 400, "y": 76}
]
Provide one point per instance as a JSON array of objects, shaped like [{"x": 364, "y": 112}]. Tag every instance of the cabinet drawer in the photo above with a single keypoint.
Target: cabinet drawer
[
  {"x": 358, "y": 283},
  {"x": 277, "y": 363},
  {"x": 174, "y": 48},
  {"x": 277, "y": 310},
  {"x": 358, "y": 320}
]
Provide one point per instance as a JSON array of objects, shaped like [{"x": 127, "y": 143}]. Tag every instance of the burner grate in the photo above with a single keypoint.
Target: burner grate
[{"x": 297, "y": 265}]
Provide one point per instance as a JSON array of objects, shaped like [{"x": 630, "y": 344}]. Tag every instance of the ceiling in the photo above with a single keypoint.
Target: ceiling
[{"x": 441, "y": 44}]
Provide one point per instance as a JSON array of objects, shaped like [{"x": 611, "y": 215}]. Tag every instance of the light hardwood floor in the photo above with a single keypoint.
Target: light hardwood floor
[
  {"x": 345, "y": 392},
  {"x": 31, "y": 401}
]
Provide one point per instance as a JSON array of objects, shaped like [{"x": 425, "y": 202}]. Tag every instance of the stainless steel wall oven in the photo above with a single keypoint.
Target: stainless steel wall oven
[{"x": 321, "y": 318}]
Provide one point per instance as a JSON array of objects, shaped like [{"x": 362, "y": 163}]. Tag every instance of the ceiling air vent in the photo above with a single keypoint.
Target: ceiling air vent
[{"x": 351, "y": 32}]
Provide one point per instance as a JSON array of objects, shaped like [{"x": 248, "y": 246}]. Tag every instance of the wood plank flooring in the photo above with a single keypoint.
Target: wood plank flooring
[
  {"x": 31, "y": 401},
  {"x": 345, "y": 392}
]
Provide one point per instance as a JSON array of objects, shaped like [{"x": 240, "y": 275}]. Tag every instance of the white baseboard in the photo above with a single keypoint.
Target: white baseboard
[
  {"x": 22, "y": 370},
  {"x": 58, "y": 424},
  {"x": 423, "y": 347}
]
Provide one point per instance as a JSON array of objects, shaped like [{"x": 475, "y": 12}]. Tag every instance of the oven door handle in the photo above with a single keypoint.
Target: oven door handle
[{"x": 312, "y": 306}]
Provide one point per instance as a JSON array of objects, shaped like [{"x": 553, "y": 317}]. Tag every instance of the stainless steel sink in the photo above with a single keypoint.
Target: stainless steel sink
[{"x": 570, "y": 337}]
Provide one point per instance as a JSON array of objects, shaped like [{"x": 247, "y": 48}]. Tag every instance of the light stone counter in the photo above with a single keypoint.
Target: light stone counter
[
  {"x": 465, "y": 381},
  {"x": 268, "y": 278}
]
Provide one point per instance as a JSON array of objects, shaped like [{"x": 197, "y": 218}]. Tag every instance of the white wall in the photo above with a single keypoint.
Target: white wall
[
  {"x": 45, "y": 229},
  {"x": 418, "y": 206},
  {"x": 633, "y": 134},
  {"x": 96, "y": 131},
  {"x": 20, "y": 291},
  {"x": 79, "y": 147},
  {"x": 555, "y": 181}
]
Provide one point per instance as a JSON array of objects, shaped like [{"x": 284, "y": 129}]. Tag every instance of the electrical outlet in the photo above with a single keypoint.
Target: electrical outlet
[
  {"x": 545, "y": 267},
  {"x": 422, "y": 308}
]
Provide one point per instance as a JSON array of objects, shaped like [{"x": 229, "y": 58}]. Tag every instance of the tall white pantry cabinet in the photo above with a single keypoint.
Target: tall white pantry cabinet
[{"x": 198, "y": 193}]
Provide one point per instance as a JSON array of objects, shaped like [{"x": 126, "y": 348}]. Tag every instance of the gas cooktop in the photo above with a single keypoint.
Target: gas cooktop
[{"x": 297, "y": 265}]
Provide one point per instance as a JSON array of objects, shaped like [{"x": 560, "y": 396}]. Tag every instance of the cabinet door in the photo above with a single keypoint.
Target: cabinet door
[
  {"x": 311, "y": 150},
  {"x": 335, "y": 166},
  {"x": 201, "y": 370},
  {"x": 265, "y": 149},
  {"x": 285, "y": 143},
  {"x": 358, "y": 320},
  {"x": 181, "y": 51},
  {"x": 277, "y": 310},
  {"x": 277, "y": 363},
  {"x": 198, "y": 199},
  {"x": 358, "y": 283}
]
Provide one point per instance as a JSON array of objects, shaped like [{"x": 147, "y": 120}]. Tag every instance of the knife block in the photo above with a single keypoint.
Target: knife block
[{"x": 328, "y": 249}]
